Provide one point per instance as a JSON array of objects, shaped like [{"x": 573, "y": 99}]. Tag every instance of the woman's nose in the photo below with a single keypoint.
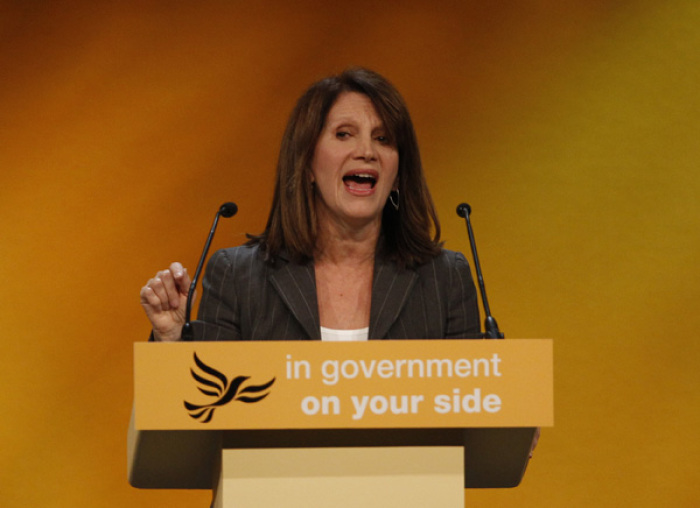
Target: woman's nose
[{"x": 365, "y": 148}]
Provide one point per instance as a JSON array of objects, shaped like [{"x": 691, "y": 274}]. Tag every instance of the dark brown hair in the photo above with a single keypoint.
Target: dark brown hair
[{"x": 410, "y": 236}]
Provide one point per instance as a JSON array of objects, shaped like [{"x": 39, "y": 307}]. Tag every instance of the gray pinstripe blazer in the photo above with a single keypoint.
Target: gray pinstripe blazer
[{"x": 245, "y": 298}]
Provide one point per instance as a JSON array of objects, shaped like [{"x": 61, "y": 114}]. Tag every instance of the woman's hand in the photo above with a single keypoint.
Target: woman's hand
[{"x": 164, "y": 298}]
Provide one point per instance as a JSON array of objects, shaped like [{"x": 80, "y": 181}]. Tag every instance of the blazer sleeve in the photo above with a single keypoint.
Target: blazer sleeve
[
  {"x": 219, "y": 310},
  {"x": 463, "y": 308}
]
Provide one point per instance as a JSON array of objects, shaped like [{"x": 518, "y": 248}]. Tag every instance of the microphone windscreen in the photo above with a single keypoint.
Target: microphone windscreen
[
  {"x": 228, "y": 209},
  {"x": 463, "y": 210}
]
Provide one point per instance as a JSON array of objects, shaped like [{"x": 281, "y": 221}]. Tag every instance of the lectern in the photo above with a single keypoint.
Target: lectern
[{"x": 379, "y": 423}]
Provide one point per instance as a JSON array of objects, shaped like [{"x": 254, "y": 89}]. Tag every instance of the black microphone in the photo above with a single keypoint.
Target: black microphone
[
  {"x": 226, "y": 210},
  {"x": 490, "y": 325}
]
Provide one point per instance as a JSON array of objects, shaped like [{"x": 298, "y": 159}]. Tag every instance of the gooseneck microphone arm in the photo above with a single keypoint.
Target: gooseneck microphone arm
[
  {"x": 226, "y": 210},
  {"x": 490, "y": 325}
]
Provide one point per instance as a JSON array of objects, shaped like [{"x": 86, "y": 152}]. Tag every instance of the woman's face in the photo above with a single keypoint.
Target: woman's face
[{"x": 354, "y": 166}]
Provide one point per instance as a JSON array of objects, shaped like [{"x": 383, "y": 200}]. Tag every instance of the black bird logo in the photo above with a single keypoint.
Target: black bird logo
[{"x": 213, "y": 383}]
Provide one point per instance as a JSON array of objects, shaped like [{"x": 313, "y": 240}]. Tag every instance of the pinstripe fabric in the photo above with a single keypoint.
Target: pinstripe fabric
[{"x": 245, "y": 298}]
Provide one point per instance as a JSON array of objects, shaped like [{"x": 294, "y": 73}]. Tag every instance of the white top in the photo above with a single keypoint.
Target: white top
[{"x": 331, "y": 335}]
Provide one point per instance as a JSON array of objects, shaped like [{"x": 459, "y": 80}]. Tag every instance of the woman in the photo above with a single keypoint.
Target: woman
[{"x": 351, "y": 249}]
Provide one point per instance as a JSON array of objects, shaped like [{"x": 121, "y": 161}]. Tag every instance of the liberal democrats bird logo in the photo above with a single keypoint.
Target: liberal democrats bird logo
[{"x": 214, "y": 384}]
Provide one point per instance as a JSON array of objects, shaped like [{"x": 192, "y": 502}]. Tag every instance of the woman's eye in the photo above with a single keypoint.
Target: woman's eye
[
  {"x": 342, "y": 134},
  {"x": 383, "y": 140}
]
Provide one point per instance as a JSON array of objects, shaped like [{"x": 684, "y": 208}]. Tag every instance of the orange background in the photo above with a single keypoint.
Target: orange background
[{"x": 572, "y": 129}]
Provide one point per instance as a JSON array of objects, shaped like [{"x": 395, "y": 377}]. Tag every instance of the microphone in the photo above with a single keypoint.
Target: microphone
[
  {"x": 226, "y": 210},
  {"x": 490, "y": 325}
]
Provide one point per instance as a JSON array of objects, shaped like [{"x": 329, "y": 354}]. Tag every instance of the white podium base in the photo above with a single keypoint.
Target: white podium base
[{"x": 409, "y": 477}]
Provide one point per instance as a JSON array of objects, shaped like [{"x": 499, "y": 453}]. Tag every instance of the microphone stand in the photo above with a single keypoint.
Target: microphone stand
[
  {"x": 490, "y": 325},
  {"x": 226, "y": 210}
]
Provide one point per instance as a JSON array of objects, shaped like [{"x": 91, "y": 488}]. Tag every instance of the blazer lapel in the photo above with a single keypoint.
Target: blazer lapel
[
  {"x": 296, "y": 285},
  {"x": 390, "y": 289}
]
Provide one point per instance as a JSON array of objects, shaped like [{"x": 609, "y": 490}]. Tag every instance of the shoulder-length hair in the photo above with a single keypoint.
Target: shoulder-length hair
[{"x": 409, "y": 236}]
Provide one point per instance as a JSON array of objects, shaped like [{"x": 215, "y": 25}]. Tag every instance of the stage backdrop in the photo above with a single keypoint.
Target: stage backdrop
[{"x": 572, "y": 128}]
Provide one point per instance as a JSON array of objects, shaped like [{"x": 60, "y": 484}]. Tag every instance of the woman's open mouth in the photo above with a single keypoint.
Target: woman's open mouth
[{"x": 360, "y": 181}]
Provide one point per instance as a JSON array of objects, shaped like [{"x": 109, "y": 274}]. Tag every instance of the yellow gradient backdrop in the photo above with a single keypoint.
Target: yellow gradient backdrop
[{"x": 572, "y": 128}]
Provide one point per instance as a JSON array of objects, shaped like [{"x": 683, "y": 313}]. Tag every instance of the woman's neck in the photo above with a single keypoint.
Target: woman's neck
[
  {"x": 343, "y": 245},
  {"x": 344, "y": 268}
]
